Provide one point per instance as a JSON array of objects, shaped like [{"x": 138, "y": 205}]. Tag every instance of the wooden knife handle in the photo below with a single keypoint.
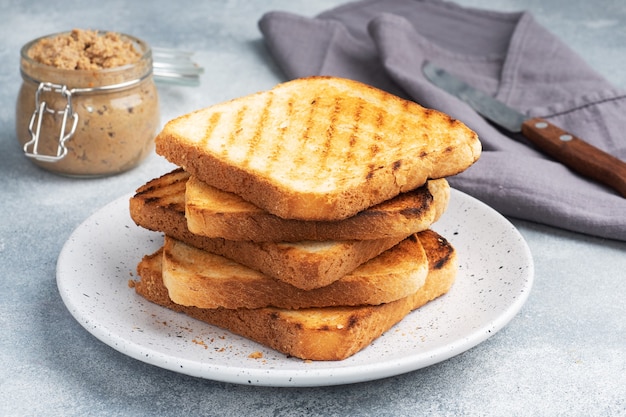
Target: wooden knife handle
[{"x": 576, "y": 154}]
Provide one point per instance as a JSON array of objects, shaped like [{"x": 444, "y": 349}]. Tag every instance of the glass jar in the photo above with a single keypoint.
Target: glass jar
[{"x": 87, "y": 123}]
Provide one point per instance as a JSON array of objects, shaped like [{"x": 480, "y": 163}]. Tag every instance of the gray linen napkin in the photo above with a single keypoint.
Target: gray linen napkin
[{"x": 509, "y": 55}]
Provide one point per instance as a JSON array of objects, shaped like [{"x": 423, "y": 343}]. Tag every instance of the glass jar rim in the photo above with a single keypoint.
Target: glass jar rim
[{"x": 143, "y": 47}]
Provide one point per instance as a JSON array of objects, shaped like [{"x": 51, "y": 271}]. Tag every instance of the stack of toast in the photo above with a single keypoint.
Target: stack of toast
[{"x": 300, "y": 217}]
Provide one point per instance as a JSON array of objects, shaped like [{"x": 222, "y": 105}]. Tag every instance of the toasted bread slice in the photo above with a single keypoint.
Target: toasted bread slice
[
  {"x": 194, "y": 277},
  {"x": 159, "y": 205},
  {"x": 330, "y": 333},
  {"x": 319, "y": 148},
  {"x": 215, "y": 213}
]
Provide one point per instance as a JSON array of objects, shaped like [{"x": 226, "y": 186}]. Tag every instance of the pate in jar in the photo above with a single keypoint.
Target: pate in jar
[{"x": 88, "y": 105}]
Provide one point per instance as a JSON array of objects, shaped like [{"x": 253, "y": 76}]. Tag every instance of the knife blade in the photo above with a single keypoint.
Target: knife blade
[{"x": 571, "y": 151}]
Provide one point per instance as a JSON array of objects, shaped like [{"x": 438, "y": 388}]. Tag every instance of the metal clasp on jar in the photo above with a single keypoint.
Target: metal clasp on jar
[{"x": 31, "y": 148}]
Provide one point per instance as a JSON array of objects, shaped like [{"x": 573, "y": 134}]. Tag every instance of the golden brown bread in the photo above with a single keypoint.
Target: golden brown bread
[
  {"x": 159, "y": 205},
  {"x": 331, "y": 333},
  {"x": 214, "y": 213},
  {"x": 194, "y": 277},
  {"x": 318, "y": 148}
]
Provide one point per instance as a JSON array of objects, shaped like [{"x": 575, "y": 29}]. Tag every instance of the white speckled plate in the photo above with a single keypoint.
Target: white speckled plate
[{"x": 96, "y": 263}]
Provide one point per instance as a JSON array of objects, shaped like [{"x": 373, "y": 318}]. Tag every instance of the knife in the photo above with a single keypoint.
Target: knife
[{"x": 564, "y": 147}]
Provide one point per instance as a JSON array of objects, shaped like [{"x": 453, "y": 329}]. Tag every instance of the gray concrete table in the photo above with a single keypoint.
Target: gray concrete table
[{"x": 563, "y": 354}]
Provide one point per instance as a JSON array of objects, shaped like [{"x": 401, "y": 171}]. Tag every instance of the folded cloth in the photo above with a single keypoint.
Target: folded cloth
[{"x": 509, "y": 55}]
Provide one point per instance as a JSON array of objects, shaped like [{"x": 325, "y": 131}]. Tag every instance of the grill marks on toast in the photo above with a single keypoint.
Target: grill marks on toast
[
  {"x": 256, "y": 143},
  {"x": 331, "y": 133},
  {"x": 320, "y": 138},
  {"x": 279, "y": 146},
  {"x": 339, "y": 122},
  {"x": 319, "y": 148},
  {"x": 255, "y": 138},
  {"x": 380, "y": 124},
  {"x": 166, "y": 191},
  {"x": 358, "y": 111},
  {"x": 214, "y": 120},
  {"x": 307, "y": 146},
  {"x": 402, "y": 127},
  {"x": 236, "y": 133},
  {"x": 335, "y": 134}
]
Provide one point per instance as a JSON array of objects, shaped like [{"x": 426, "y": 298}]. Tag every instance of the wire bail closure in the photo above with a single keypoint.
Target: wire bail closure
[{"x": 31, "y": 148}]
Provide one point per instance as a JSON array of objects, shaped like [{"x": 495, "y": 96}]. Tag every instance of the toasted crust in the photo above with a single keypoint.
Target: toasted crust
[
  {"x": 319, "y": 148},
  {"x": 214, "y": 213},
  {"x": 159, "y": 205},
  {"x": 331, "y": 333},
  {"x": 198, "y": 278}
]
